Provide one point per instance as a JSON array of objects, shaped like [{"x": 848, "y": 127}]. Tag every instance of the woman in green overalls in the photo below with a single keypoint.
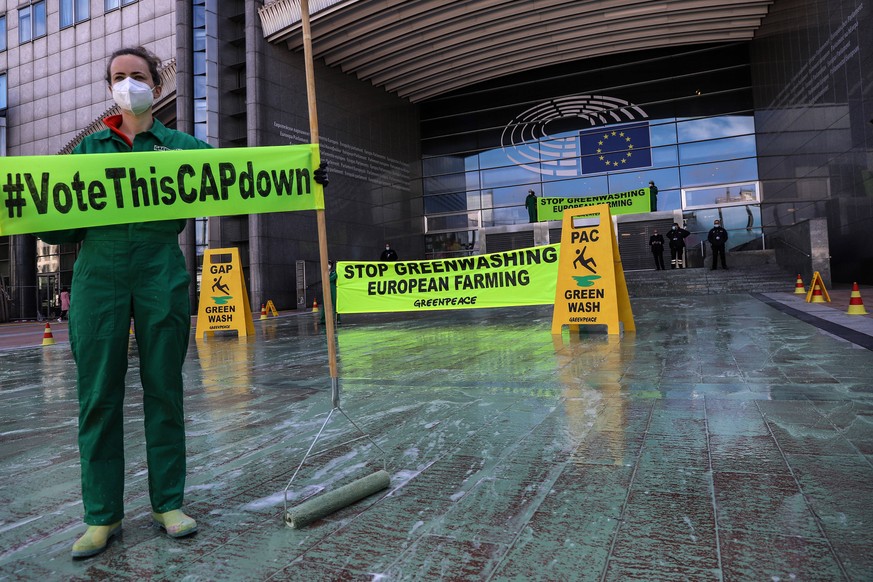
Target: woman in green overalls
[{"x": 123, "y": 271}]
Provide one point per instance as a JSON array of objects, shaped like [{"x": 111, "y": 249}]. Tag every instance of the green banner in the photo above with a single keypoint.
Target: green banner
[
  {"x": 45, "y": 193},
  {"x": 520, "y": 277},
  {"x": 630, "y": 202}
]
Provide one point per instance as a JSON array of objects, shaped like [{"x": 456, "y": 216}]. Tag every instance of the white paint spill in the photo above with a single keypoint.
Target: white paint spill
[
  {"x": 6, "y": 527},
  {"x": 203, "y": 487},
  {"x": 265, "y": 502},
  {"x": 687, "y": 521}
]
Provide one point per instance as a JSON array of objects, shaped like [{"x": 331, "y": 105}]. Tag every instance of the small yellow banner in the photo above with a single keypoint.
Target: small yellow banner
[
  {"x": 224, "y": 301},
  {"x": 630, "y": 202},
  {"x": 591, "y": 289}
]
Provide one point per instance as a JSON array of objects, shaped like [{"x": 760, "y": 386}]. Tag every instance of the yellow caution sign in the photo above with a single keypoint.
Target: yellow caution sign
[
  {"x": 817, "y": 292},
  {"x": 591, "y": 289},
  {"x": 271, "y": 308},
  {"x": 224, "y": 301}
]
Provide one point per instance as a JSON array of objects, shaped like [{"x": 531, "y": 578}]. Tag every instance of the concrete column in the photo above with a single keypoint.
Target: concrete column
[
  {"x": 22, "y": 251},
  {"x": 820, "y": 250},
  {"x": 185, "y": 123},
  {"x": 254, "y": 66}
]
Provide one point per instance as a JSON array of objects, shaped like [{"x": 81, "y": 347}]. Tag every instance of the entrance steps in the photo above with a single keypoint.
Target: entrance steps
[{"x": 755, "y": 278}]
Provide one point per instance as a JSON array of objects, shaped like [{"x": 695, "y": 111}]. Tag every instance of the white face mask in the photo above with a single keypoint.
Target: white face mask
[{"x": 132, "y": 95}]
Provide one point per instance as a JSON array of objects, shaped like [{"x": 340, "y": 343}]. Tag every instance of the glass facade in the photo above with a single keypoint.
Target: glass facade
[
  {"x": 682, "y": 119},
  {"x": 812, "y": 79},
  {"x": 54, "y": 266}
]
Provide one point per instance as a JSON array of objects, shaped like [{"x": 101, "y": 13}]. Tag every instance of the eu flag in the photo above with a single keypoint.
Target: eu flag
[{"x": 614, "y": 148}]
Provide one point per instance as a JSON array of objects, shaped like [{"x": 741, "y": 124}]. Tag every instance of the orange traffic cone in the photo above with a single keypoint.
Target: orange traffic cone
[
  {"x": 799, "y": 289},
  {"x": 47, "y": 337},
  {"x": 263, "y": 311},
  {"x": 314, "y": 305},
  {"x": 817, "y": 296},
  {"x": 856, "y": 304}
]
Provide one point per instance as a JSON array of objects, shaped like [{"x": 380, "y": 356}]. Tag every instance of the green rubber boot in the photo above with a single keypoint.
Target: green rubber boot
[
  {"x": 176, "y": 523},
  {"x": 95, "y": 540}
]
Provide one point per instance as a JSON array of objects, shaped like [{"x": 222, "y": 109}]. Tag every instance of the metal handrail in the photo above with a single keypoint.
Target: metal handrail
[{"x": 794, "y": 248}]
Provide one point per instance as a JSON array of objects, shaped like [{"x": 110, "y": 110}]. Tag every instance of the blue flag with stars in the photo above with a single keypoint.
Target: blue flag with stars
[{"x": 615, "y": 148}]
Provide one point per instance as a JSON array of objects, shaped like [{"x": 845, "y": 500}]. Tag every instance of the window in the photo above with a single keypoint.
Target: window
[
  {"x": 3, "y": 91},
  {"x": 31, "y": 22},
  {"x": 201, "y": 110},
  {"x": 3, "y": 33},
  {"x": 113, "y": 4},
  {"x": 73, "y": 11}
]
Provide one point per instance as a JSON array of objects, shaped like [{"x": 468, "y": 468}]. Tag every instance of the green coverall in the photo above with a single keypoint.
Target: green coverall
[
  {"x": 333, "y": 277},
  {"x": 132, "y": 269}
]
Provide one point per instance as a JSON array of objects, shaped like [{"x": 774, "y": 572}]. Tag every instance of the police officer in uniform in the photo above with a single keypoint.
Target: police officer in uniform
[
  {"x": 656, "y": 244},
  {"x": 717, "y": 238},
  {"x": 389, "y": 254},
  {"x": 677, "y": 235}
]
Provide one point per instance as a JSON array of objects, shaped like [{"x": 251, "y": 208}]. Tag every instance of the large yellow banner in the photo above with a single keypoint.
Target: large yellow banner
[{"x": 519, "y": 277}]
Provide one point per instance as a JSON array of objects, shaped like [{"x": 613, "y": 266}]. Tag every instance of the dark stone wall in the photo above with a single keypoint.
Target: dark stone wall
[
  {"x": 812, "y": 71},
  {"x": 370, "y": 140}
]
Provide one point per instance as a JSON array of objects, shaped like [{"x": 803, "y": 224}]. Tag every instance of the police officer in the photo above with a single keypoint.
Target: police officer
[
  {"x": 717, "y": 238},
  {"x": 389, "y": 254},
  {"x": 677, "y": 235},
  {"x": 656, "y": 243}
]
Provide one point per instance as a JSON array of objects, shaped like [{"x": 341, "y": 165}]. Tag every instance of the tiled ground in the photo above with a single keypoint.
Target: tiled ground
[{"x": 725, "y": 440}]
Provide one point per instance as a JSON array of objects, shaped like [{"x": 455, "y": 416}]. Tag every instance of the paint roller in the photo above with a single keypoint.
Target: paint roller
[{"x": 327, "y": 503}]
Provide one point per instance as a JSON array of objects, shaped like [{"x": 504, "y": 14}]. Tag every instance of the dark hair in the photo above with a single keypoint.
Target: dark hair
[{"x": 153, "y": 62}]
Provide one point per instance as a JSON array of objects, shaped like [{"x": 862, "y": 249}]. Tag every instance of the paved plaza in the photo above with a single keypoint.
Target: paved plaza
[{"x": 729, "y": 438}]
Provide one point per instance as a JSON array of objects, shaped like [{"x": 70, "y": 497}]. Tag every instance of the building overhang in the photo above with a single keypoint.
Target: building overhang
[{"x": 421, "y": 49}]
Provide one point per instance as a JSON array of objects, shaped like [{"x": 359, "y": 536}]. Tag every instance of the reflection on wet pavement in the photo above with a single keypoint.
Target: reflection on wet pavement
[{"x": 723, "y": 441}]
